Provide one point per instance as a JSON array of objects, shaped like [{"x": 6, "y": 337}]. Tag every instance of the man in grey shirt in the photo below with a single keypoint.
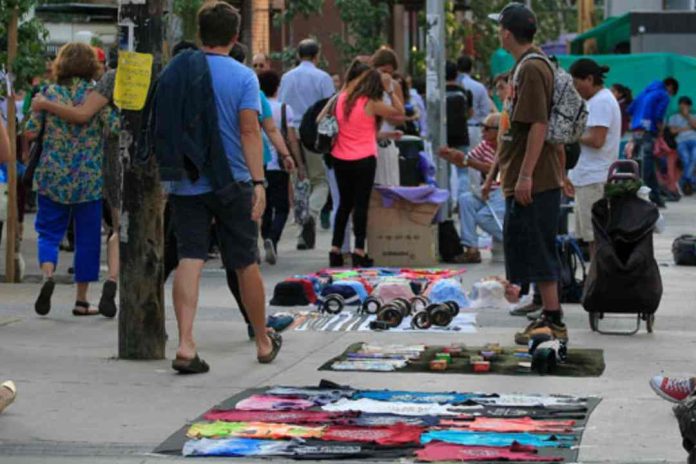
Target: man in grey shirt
[
  {"x": 300, "y": 88},
  {"x": 683, "y": 126},
  {"x": 482, "y": 102}
]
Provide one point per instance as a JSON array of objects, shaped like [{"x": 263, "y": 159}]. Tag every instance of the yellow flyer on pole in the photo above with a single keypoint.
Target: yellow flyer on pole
[{"x": 132, "y": 80}]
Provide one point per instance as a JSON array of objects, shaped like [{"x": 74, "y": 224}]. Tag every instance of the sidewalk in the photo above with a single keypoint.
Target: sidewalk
[{"x": 78, "y": 404}]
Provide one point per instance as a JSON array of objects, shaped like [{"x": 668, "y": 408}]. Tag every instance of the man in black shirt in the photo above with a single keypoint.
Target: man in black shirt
[{"x": 459, "y": 110}]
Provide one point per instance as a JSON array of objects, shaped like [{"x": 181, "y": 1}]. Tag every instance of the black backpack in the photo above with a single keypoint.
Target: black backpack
[
  {"x": 570, "y": 288},
  {"x": 308, "y": 126},
  {"x": 450, "y": 245},
  {"x": 458, "y": 105},
  {"x": 684, "y": 250}
]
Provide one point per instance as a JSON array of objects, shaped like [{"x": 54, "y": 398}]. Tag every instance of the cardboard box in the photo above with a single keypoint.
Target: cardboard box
[{"x": 401, "y": 235}]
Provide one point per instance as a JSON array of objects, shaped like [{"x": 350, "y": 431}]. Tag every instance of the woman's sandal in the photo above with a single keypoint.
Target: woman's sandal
[
  {"x": 276, "y": 343},
  {"x": 190, "y": 366},
  {"x": 82, "y": 309}
]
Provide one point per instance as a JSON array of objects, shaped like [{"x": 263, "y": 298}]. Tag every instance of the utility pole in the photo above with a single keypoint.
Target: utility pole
[
  {"x": 11, "y": 270},
  {"x": 435, "y": 91},
  {"x": 141, "y": 332}
]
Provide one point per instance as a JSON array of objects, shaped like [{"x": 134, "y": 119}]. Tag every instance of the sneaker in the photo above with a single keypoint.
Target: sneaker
[
  {"x": 362, "y": 261},
  {"x": 301, "y": 244},
  {"x": 526, "y": 309},
  {"x": 271, "y": 256},
  {"x": 336, "y": 260},
  {"x": 533, "y": 316},
  {"x": 325, "y": 220},
  {"x": 8, "y": 393},
  {"x": 309, "y": 233},
  {"x": 673, "y": 389},
  {"x": 542, "y": 327}
]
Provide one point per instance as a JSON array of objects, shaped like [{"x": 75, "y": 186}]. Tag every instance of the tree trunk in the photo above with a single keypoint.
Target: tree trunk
[{"x": 141, "y": 318}]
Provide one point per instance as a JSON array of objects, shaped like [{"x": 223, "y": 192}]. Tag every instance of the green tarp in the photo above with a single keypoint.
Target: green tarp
[
  {"x": 607, "y": 35},
  {"x": 634, "y": 71}
]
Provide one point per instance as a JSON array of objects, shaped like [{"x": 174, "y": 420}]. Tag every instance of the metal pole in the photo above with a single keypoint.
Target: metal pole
[
  {"x": 435, "y": 91},
  {"x": 10, "y": 242}
]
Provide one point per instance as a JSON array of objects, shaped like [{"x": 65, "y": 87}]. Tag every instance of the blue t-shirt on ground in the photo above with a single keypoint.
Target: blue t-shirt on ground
[{"x": 236, "y": 88}]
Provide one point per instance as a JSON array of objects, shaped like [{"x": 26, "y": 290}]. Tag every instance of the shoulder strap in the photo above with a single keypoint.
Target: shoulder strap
[{"x": 538, "y": 56}]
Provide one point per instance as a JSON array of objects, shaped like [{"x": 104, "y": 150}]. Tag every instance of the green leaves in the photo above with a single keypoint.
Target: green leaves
[
  {"x": 365, "y": 22},
  {"x": 31, "y": 36},
  {"x": 187, "y": 10}
]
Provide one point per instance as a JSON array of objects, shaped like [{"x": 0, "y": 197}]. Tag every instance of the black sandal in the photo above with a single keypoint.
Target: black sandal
[
  {"x": 107, "y": 303},
  {"x": 82, "y": 309},
  {"x": 43, "y": 301},
  {"x": 276, "y": 342},
  {"x": 190, "y": 366}
]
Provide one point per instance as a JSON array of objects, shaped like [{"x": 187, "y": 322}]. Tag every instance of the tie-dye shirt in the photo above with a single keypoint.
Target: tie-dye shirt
[{"x": 70, "y": 168}]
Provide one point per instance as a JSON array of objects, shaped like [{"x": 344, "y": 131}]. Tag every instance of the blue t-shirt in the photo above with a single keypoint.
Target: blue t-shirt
[
  {"x": 236, "y": 88},
  {"x": 266, "y": 113}
]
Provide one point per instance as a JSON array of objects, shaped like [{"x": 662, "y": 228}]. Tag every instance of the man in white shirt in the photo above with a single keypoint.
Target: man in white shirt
[
  {"x": 599, "y": 144},
  {"x": 300, "y": 88},
  {"x": 482, "y": 102}
]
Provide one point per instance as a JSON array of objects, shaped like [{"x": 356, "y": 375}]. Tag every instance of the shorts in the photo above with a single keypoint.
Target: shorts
[
  {"x": 237, "y": 233},
  {"x": 529, "y": 237},
  {"x": 585, "y": 197}
]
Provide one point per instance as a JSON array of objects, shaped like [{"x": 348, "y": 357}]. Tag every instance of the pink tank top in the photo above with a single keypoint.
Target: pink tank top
[{"x": 357, "y": 135}]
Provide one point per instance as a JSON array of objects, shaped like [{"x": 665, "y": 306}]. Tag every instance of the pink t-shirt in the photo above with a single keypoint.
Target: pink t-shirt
[{"x": 357, "y": 134}]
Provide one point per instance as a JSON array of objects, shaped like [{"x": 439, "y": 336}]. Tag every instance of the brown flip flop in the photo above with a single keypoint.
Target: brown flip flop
[
  {"x": 82, "y": 309},
  {"x": 276, "y": 342}
]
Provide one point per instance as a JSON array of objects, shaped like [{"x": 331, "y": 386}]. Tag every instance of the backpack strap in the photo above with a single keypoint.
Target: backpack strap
[{"x": 284, "y": 121}]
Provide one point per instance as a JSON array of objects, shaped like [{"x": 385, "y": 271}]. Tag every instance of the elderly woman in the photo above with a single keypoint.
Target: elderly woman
[{"x": 68, "y": 177}]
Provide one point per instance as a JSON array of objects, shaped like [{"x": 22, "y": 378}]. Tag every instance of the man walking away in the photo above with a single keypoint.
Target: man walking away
[
  {"x": 459, "y": 109},
  {"x": 647, "y": 116},
  {"x": 300, "y": 89},
  {"x": 599, "y": 145},
  {"x": 221, "y": 181},
  {"x": 683, "y": 127},
  {"x": 481, "y": 100},
  {"x": 531, "y": 173}
]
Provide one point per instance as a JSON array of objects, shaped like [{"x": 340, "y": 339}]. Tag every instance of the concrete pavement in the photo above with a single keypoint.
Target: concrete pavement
[{"x": 78, "y": 404}]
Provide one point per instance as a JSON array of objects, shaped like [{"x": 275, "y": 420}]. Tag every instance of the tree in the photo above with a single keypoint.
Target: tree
[
  {"x": 293, "y": 9},
  {"x": 31, "y": 60},
  {"x": 187, "y": 11},
  {"x": 366, "y": 24}
]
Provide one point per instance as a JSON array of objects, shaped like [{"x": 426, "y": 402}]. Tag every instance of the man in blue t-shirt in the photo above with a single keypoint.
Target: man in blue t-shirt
[{"x": 195, "y": 204}]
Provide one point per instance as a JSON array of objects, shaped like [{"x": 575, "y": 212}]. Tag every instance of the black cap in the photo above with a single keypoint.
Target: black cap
[{"x": 518, "y": 19}]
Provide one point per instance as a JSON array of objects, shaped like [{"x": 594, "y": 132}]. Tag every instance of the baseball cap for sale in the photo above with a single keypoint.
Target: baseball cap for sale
[{"x": 516, "y": 18}]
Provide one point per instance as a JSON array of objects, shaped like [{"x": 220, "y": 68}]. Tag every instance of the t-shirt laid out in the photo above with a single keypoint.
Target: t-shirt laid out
[
  {"x": 236, "y": 447},
  {"x": 398, "y": 434},
  {"x": 236, "y": 88},
  {"x": 277, "y": 113},
  {"x": 439, "y": 451},
  {"x": 264, "y": 430},
  {"x": 527, "y": 400},
  {"x": 463, "y": 437},
  {"x": 273, "y": 403},
  {"x": 282, "y": 417},
  {"x": 530, "y": 102},
  {"x": 525, "y": 424},
  {"x": 593, "y": 164},
  {"x": 412, "y": 397},
  {"x": 679, "y": 121},
  {"x": 392, "y": 407}
]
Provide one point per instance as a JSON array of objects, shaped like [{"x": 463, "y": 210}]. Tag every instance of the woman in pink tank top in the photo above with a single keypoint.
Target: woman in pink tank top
[{"x": 359, "y": 110}]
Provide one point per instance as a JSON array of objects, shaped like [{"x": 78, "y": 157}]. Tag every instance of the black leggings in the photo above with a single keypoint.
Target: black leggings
[{"x": 355, "y": 180}]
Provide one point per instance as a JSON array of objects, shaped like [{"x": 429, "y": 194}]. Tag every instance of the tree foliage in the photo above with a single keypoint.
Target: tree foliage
[
  {"x": 365, "y": 22},
  {"x": 187, "y": 11},
  {"x": 31, "y": 37}
]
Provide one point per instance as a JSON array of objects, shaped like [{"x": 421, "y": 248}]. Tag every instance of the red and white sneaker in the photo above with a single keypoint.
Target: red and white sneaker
[{"x": 673, "y": 389}]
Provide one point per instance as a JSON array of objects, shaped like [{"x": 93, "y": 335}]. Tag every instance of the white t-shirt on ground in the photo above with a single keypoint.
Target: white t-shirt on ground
[{"x": 593, "y": 165}]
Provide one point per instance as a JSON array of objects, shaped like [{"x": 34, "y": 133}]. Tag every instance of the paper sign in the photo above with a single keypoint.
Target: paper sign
[{"x": 132, "y": 80}]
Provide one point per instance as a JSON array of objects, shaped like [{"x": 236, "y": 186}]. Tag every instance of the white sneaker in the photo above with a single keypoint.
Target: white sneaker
[{"x": 271, "y": 255}]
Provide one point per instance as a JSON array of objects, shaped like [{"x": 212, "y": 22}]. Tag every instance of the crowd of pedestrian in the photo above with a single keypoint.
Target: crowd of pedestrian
[{"x": 234, "y": 175}]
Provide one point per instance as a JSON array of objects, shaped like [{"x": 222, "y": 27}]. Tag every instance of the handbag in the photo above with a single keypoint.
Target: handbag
[
  {"x": 34, "y": 155},
  {"x": 327, "y": 127}
]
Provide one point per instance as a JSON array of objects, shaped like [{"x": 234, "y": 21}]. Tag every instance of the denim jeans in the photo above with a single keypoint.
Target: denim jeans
[
  {"x": 474, "y": 212},
  {"x": 687, "y": 155},
  {"x": 643, "y": 152}
]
